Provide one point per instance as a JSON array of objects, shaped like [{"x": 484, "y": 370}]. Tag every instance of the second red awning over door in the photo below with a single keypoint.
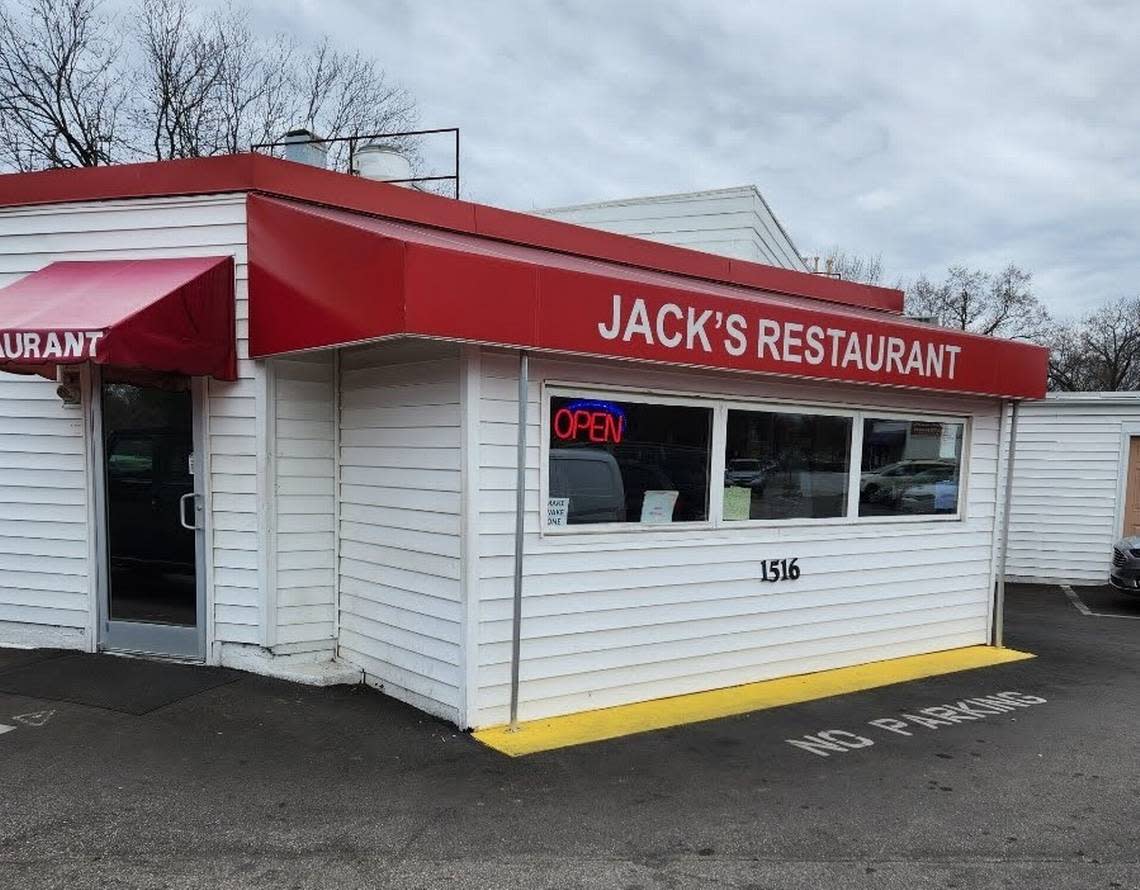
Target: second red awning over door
[{"x": 171, "y": 315}]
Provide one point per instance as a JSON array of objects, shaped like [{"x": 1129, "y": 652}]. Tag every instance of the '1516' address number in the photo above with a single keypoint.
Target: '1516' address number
[{"x": 779, "y": 570}]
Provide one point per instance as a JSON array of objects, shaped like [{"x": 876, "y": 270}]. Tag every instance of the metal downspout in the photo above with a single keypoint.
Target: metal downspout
[
  {"x": 999, "y": 594},
  {"x": 520, "y": 516}
]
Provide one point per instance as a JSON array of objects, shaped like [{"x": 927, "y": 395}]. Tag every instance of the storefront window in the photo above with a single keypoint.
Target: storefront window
[
  {"x": 786, "y": 466},
  {"x": 910, "y": 467},
  {"x": 633, "y": 462}
]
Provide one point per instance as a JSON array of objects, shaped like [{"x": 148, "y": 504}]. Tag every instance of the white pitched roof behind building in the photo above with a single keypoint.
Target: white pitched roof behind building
[{"x": 735, "y": 222}]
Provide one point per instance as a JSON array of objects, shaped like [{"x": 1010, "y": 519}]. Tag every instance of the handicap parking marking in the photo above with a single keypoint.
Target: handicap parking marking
[
  {"x": 35, "y": 719},
  {"x": 32, "y": 720},
  {"x": 917, "y": 722}
]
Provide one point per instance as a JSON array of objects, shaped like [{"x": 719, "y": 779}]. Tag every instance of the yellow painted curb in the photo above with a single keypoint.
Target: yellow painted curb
[{"x": 609, "y": 723}]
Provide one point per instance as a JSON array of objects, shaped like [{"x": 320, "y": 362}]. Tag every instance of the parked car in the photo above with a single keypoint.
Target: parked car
[
  {"x": 747, "y": 472},
  {"x": 931, "y": 491},
  {"x": 886, "y": 484},
  {"x": 591, "y": 479},
  {"x": 1125, "y": 571}
]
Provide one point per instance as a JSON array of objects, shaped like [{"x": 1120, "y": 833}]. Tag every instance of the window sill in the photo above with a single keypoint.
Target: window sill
[{"x": 675, "y": 528}]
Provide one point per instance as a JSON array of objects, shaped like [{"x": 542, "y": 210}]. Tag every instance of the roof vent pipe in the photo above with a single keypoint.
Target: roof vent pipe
[
  {"x": 301, "y": 148},
  {"x": 384, "y": 163}
]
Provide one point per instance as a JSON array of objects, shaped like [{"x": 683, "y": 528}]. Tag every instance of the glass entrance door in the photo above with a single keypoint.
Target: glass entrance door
[{"x": 151, "y": 512}]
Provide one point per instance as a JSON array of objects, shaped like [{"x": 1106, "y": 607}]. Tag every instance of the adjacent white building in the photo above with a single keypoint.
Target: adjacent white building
[
  {"x": 1076, "y": 486},
  {"x": 734, "y": 222}
]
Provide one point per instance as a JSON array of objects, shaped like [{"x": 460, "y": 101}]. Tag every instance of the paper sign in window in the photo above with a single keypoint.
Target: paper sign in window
[
  {"x": 557, "y": 511},
  {"x": 737, "y": 502},
  {"x": 657, "y": 507},
  {"x": 948, "y": 442}
]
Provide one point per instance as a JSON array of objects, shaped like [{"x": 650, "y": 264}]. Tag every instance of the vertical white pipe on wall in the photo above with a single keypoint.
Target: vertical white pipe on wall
[
  {"x": 336, "y": 502},
  {"x": 520, "y": 517},
  {"x": 999, "y": 595}
]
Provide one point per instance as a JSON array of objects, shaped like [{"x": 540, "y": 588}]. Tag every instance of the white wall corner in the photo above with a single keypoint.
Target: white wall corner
[
  {"x": 266, "y": 486},
  {"x": 470, "y": 388}
]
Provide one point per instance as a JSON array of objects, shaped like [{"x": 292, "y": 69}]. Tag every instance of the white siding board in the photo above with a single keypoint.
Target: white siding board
[
  {"x": 616, "y": 617},
  {"x": 734, "y": 222},
  {"x": 42, "y": 463},
  {"x": 400, "y": 555},
  {"x": 1066, "y": 486},
  {"x": 304, "y": 480}
]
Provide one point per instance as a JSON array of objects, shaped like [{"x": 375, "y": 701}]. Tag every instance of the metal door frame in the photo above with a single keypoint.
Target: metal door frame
[{"x": 140, "y": 637}]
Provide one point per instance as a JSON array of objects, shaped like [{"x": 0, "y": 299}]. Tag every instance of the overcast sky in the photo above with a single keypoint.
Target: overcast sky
[{"x": 932, "y": 133}]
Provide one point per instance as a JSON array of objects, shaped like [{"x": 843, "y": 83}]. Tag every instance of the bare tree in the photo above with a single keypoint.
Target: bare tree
[
  {"x": 62, "y": 85},
  {"x": 213, "y": 86},
  {"x": 854, "y": 267},
  {"x": 182, "y": 81},
  {"x": 1101, "y": 352},
  {"x": 341, "y": 94},
  {"x": 1001, "y": 305},
  {"x": 256, "y": 95},
  {"x": 182, "y": 62}
]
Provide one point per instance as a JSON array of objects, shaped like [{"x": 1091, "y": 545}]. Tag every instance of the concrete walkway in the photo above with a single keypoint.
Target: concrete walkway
[{"x": 257, "y": 782}]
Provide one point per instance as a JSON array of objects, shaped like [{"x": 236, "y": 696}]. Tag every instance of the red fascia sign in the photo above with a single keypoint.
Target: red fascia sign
[
  {"x": 653, "y": 323},
  {"x": 320, "y": 277},
  {"x": 62, "y": 347},
  {"x": 791, "y": 342}
]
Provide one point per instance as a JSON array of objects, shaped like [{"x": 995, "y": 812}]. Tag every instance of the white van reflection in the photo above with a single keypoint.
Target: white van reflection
[{"x": 591, "y": 479}]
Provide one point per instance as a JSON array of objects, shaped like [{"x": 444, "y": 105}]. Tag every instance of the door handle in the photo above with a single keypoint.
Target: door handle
[{"x": 182, "y": 511}]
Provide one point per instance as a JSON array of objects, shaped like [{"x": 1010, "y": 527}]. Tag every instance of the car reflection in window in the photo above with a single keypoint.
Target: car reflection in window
[
  {"x": 592, "y": 480},
  {"x": 912, "y": 486},
  {"x": 748, "y": 473}
]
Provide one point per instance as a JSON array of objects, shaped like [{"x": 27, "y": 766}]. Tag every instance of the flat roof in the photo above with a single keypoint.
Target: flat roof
[{"x": 281, "y": 178}]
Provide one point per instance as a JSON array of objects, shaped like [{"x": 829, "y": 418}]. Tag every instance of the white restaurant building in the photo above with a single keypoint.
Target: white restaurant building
[{"x": 265, "y": 415}]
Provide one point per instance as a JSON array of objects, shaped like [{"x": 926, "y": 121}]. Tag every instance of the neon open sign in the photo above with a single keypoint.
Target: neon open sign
[{"x": 602, "y": 422}]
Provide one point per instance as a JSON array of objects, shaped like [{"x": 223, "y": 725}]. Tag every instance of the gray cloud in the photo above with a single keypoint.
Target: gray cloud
[{"x": 934, "y": 133}]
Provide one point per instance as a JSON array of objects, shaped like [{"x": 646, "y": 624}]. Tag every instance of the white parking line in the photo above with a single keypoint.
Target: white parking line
[
  {"x": 5, "y": 728},
  {"x": 1085, "y": 610}
]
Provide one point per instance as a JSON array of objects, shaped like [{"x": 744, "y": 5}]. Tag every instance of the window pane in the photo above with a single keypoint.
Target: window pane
[
  {"x": 627, "y": 462},
  {"x": 786, "y": 466},
  {"x": 910, "y": 467},
  {"x": 130, "y": 458}
]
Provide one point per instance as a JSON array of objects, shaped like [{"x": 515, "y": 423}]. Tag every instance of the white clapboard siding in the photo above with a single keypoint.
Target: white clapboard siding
[
  {"x": 400, "y": 492},
  {"x": 610, "y": 618},
  {"x": 31, "y": 238},
  {"x": 1067, "y": 477},
  {"x": 305, "y": 489},
  {"x": 735, "y": 222},
  {"x": 44, "y": 586}
]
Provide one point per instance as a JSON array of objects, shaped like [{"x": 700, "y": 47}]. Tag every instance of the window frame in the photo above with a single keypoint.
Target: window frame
[
  {"x": 959, "y": 513},
  {"x": 783, "y": 407},
  {"x": 720, "y": 405},
  {"x": 551, "y": 391}
]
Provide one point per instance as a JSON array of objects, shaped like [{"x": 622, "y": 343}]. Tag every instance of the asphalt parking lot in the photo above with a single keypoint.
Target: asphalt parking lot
[{"x": 253, "y": 782}]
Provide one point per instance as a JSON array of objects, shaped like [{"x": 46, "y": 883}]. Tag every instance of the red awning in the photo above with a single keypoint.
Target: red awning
[
  {"x": 171, "y": 315},
  {"x": 322, "y": 277}
]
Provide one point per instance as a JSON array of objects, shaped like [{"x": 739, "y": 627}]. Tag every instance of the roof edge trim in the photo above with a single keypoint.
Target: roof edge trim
[{"x": 260, "y": 173}]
